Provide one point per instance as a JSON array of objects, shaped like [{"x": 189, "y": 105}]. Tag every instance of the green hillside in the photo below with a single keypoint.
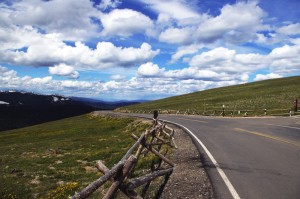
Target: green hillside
[
  {"x": 275, "y": 95},
  {"x": 55, "y": 159}
]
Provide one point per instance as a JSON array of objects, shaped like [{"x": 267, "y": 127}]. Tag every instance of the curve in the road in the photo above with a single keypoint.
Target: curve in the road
[{"x": 230, "y": 187}]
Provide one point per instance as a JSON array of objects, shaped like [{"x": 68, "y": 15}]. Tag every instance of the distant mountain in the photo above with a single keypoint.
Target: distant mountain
[
  {"x": 19, "y": 109},
  {"x": 104, "y": 105}
]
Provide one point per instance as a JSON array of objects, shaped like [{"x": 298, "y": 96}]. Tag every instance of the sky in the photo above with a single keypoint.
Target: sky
[{"x": 145, "y": 49}]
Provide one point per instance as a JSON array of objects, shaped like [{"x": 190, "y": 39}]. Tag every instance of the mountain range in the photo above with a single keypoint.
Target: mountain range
[{"x": 20, "y": 109}]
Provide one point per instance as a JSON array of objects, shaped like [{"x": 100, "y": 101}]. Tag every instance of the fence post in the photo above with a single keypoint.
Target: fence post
[
  {"x": 155, "y": 114},
  {"x": 223, "y": 110}
]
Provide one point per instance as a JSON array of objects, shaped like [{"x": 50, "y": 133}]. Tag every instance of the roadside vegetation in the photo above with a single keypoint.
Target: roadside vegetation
[
  {"x": 56, "y": 159},
  {"x": 275, "y": 95}
]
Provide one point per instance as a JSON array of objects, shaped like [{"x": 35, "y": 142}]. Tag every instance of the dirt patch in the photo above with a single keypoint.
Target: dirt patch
[
  {"x": 189, "y": 179},
  {"x": 108, "y": 114},
  {"x": 35, "y": 181},
  {"x": 82, "y": 161},
  {"x": 89, "y": 169},
  {"x": 58, "y": 162}
]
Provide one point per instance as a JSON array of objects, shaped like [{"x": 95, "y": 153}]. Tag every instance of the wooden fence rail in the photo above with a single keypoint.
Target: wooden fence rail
[{"x": 120, "y": 174}]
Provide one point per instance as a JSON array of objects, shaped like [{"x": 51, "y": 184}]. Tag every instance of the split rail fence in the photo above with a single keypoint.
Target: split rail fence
[{"x": 119, "y": 176}]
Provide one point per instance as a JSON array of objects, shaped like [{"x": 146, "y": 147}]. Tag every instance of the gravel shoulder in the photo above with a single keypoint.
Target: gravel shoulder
[{"x": 189, "y": 178}]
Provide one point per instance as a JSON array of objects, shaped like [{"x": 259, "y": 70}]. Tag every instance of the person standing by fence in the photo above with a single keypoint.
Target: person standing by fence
[{"x": 295, "y": 105}]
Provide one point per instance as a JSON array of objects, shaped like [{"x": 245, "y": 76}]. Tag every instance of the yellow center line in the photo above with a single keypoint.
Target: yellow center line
[
  {"x": 193, "y": 120},
  {"x": 268, "y": 136}
]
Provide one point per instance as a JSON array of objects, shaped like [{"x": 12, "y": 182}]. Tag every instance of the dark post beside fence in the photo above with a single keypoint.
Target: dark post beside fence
[
  {"x": 155, "y": 114},
  {"x": 155, "y": 117},
  {"x": 295, "y": 105}
]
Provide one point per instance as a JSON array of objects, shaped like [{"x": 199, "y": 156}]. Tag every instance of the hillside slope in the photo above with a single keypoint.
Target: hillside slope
[
  {"x": 275, "y": 95},
  {"x": 23, "y": 109}
]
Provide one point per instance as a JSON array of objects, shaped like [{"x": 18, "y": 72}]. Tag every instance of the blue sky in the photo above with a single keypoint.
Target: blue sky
[{"x": 145, "y": 49}]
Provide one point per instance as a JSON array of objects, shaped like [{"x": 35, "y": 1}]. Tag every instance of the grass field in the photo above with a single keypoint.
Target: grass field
[
  {"x": 276, "y": 95},
  {"x": 55, "y": 159}
]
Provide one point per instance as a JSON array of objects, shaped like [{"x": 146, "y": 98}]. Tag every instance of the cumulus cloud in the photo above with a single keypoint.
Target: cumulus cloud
[
  {"x": 150, "y": 70},
  {"x": 107, "y": 4},
  {"x": 225, "y": 60},
  {"x": 117, "y": 77},
  {"x": 9, "y": 79},
  {"x": 125, "y": 22},
  {"x": 70, "y": 19},
  {"x": 291, "y": 29},
  {"x": 185, "y": 50},
  {"x": 5, "y": 72},
  {"x": 61, "y": 35},
  {"x": 64, "y": 70},
  {"x": 180, "y": 10},
  {"x": 177, "y": 35},
  {"x": 237, "y": 23},
  {"x": 223, "y": 64},
  {"x": 285, "y": 59},
  {"x": 35, "y": 49},
  {"x": 260, "y": 77},
  {"x": 132, "y": 89}
]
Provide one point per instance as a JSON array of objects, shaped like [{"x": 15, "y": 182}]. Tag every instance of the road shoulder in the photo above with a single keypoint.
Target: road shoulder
[{"x": 189, "y": 178}]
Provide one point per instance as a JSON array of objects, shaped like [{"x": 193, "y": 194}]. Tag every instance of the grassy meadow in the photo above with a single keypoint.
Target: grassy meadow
[
  {"x": 55, "y": 159},
  {"x": 275, "y": 95}
]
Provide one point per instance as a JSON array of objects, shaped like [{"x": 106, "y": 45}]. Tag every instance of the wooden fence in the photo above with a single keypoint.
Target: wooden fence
[
  {"x": 119, "y": 176},
  {"x": 227, "y": 112}
]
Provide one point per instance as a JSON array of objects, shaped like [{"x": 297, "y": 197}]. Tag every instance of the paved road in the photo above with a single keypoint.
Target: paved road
[{"x": 259, "y": 157}]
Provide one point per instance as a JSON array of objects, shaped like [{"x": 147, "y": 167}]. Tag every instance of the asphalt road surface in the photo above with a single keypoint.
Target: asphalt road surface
[{"x": 249, "y": 158}]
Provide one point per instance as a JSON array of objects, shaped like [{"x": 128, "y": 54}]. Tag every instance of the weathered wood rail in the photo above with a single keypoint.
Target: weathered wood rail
[{"x": 120, "y": 174}]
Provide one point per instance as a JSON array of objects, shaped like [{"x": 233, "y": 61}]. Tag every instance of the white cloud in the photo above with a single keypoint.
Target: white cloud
[
  {"x": 76, "y": 84},
  {"x": 150, "y": 70},
  {"x": 260, "y": 77},
  {"x": 9, "y": 79},
  {"x": 125, "y": 22},
  {"x": 291, "y": 29},
  {"x": 163, "y": 19},
  {"x": 180, "y": 10},
  {"x": 42, "y": 81},
  {"x": 49, "y": 50},
  {"x": 70, "y": 19},
  {"x": 185, "y": 50},
  {"x": 106, "y": 4},
  {"x": 117, "y": 77},
  {"x": 229, "y": 61},
  {"x": 64, "y": 70},
  {"x": 177, "y": 35},
  {"x": 285, "y": 59},
  {"x": 237, "y": 23},
  {"x": 7, "y": 73}
]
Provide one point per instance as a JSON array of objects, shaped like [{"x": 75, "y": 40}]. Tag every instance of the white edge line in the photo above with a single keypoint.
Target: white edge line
[
  {"x": 232, "y": 190},
  {"x": 291, "y": 127}
]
